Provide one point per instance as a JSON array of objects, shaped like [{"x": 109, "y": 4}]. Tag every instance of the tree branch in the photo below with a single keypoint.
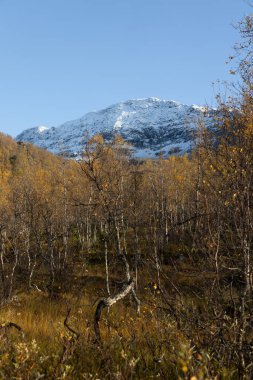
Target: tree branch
[{"x": 108, "y": 302}]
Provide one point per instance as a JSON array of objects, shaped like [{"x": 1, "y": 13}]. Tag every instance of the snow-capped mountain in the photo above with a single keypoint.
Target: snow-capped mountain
[{"x": 150, "y": 125}]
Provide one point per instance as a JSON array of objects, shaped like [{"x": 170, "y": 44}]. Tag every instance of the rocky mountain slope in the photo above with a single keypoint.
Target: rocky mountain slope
[{"x": 150, "y": 125}]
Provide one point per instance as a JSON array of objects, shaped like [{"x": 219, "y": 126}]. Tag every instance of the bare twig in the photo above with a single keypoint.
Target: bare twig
[
  {"x": 74, "y": 332},
  {"x": 9, "y": 325}
]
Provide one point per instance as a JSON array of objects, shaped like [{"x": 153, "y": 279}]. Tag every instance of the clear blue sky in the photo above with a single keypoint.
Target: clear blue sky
[{"x": 62, "y": 58}]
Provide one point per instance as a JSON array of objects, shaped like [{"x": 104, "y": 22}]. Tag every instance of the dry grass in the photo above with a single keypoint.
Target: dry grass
[{"x": 134, "y": 347}]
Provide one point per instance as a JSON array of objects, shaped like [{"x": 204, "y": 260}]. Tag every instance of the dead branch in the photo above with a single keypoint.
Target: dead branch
[
  {"x": 74, "y": 332},
  {"x": 8, "y": 325},
  {"x": 69, "y": 346},
  {"x": 108, "y": 302}
]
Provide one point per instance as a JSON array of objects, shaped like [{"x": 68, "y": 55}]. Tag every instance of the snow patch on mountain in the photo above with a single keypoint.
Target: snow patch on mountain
[{"x": 42, "y": 128}]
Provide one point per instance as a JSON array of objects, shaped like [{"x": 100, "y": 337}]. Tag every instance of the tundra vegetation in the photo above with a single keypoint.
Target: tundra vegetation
[{"x": 113, "y": 268}]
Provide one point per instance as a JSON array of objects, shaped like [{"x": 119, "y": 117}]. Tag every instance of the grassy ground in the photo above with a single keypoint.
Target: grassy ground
[{"x": 148, "y": 346}]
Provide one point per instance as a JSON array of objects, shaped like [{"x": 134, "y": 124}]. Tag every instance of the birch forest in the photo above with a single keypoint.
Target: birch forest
[{"x": 118, "y": 268}]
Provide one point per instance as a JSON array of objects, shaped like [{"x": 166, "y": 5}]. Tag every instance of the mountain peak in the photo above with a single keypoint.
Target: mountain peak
[{"x": 150, "y": 125}]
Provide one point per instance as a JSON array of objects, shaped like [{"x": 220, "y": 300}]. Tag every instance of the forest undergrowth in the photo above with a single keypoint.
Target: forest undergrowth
[{"x": 154, "y": 344}]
